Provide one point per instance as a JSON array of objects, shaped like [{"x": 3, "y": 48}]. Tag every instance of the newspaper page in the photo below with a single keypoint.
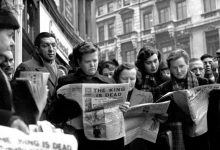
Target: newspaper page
[
  {"x": 197, "y": 99},
  {"x": 13, "y": 139},
  {"x": 38, "y": 81},
  {"x": 102, "y": 118},
  {"x": 141, "y": 121},
  {"x": 31, "y": 92}
]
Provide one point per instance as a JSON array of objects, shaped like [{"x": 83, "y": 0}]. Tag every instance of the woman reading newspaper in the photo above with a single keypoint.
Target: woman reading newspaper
[
  {"x": 85, "y": 56},
  {"x": 182, "y": 78},
  {"x": 126, "y": 73}
]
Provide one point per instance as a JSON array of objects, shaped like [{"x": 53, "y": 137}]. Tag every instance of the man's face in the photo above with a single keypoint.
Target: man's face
[
  {"x": 179, "y": 68},
  {"x": 89, "y": 63},
  {"x": 48, "y": 49},
  {"x": 208, "y": 64},
  {"x": 6, "y": 40},
  {"x": 197, "y": 67},
  {"x": 8, "y": 63},
  {"x": 151, "y": 64}
]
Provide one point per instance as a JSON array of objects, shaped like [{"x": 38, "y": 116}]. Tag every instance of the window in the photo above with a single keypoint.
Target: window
[
  {"x": 100, "y": 10},
  {"x": 209, "y": 5},
  {"x": 130, "y": 56},
  {"x": 212, "y": 42},
  {"x": 110, "y": 30},
  {"x": 147, "y": 21},
  {"x": 164, "y": 15},
  {"x": 127, "y": 25},
  {"x": 110, "y": 7},
  {"x": 181, "y": 10},
  {"x": 101, "y": 33},
  {"x": 126, "y": 2},
  {"x": 28, "y": 18}
]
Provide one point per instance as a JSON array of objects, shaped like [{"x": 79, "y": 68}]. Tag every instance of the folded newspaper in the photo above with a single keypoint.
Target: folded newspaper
[
  {"x": 194, "y": 103},
  {"x": 30, "y": 92}
]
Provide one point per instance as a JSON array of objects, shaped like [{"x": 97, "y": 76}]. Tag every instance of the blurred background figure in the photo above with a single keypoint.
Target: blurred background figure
[
  {"x": 207, "y": 61},
  {"x": 197, "y": 67},
  {"x": 107, "y": 68},
  {"x": 7, "y": 64},
  {"x": 215, "y": 68},
  {"x": 164, "y": 69}
]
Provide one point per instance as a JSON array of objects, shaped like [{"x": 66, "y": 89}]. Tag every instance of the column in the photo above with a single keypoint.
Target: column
[{"x": 18, "y": 33}]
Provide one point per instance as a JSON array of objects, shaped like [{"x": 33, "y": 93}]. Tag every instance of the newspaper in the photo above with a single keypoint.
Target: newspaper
[
  {"x": 197, "y": 100},
  {"x": 141, "y": 121},
  {"x": 102, "y": 118},
  {"x": 38, "y": 84},
  {"x": 30, "y": 92},
  {"x": 194, "y": 103},
  {"x": 13, "y": 139}
]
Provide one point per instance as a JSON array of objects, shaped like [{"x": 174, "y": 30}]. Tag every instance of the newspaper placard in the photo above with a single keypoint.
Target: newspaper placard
[
  {"x": 141, "y": 121},
  {"x": 13, "y": 139},
  {"x": 102, "y": 118}
]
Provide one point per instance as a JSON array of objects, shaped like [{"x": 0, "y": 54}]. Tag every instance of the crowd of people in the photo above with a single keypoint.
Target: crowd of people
[{"x": 150, "y": 73}]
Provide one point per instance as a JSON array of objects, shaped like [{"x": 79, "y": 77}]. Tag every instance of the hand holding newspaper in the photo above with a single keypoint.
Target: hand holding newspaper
[{"x": 36, "y": 82}]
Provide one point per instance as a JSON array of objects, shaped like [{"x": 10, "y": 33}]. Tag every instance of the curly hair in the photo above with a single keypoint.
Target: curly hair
[
  {"x": 82, "y": 49},
  {"x": 120, "y": 68},
  {"x": 145, "y": 53}
]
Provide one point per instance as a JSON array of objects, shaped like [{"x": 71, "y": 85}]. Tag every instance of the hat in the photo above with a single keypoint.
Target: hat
[{"x": 8, "y": 20}]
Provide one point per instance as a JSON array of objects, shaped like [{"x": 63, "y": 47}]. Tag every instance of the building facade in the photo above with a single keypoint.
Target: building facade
[
  {"x": 67, "y": 19},
  {"x": 124, "y": 26}
]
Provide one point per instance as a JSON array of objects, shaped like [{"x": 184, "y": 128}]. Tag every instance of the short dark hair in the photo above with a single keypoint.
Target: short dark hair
[
  {"x": 176, "y": 54},
  {"x": 82, "y": 49},
  {"x": 144, "y": 53},
  {"x": 42, "y": 35},
  {"x": 205, "y": 56},
  {"x": 8, "y": 20},
  {"x": 120, "y": 68},
  {"x": 106, "y": 64},
  {"x": 194, "y": 59}
]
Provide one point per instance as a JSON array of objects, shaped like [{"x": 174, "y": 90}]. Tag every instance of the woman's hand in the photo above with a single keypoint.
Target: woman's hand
[{"x": 124, "y": 107}]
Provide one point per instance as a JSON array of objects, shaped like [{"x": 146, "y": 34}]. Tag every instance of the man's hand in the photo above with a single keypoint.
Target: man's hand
[{"x": 20, "y": 125}]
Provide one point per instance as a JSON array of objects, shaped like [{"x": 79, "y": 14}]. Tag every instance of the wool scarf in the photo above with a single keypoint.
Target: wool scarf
[{"x": 189, "y": 82}]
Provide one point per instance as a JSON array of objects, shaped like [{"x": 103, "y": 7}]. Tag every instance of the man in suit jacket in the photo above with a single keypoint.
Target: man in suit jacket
[{"x": 44, "y": 60}]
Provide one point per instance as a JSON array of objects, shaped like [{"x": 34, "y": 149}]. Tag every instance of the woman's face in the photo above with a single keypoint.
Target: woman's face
[
  {"x": 151, "y": 64},
  {"x": 128, "y": 76}
]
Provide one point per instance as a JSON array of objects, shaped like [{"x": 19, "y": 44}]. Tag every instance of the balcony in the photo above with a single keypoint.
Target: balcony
[
  {"x": 106, "y": 42},
  {"x": 146, "y": 32},
  {"x": 183, "y": 22},
  {"x": 128, "y": 35},
  {"x": 213, "y": 13},
  {"x": 164, "y": 26}
]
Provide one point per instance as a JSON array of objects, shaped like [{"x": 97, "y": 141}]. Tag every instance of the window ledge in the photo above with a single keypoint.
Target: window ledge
[{"x": 210, "y": 13}]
